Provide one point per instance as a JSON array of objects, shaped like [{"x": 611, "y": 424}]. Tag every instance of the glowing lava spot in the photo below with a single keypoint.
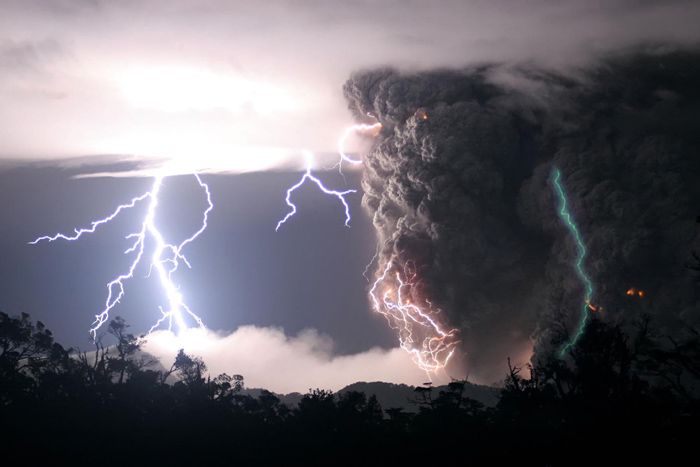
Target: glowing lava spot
[{"x": 421, "y": 114}]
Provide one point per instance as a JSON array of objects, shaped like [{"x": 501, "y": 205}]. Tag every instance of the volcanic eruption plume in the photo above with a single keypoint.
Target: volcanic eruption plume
[
  {"x": 439, "y": 185},
  {"x": 459, "y": 186}
]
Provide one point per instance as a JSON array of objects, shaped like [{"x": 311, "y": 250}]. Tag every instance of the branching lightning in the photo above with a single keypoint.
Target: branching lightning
[
  {"x": 165, "y": 259},
  {"x": 420, "y": 333},
  {"x": 344, "y": 157},
  {"x": 309, "y": 176},
  {"x": 568, "y": 220}
]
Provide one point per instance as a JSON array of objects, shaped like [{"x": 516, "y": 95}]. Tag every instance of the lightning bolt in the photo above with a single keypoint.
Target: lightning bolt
[
  {"x": 570, "y": 224},
  {"x": 365, "y": 272},
  {"x": 420, "y": 333},
  {"x": 344, "y": 157},
  {"x": 360, "y": 127},
  {"x": 309, "y": 176},
  {"x": 164, "y": 260}
]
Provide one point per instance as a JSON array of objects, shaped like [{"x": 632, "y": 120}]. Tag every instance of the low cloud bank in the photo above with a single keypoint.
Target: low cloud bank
[{"x": 268, "y": 358}]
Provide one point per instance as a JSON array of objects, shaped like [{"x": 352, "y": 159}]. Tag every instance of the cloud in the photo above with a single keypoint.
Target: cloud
[
  {"x": 141, "y": 78},
  {"x": 26, "y": 56},
  {"x": 458, "y": 186},
  {"x": 268, "y": 358}
]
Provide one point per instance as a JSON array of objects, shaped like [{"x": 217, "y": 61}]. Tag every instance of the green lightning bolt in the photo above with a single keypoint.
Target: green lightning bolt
[{"x": 568, "y": 220}]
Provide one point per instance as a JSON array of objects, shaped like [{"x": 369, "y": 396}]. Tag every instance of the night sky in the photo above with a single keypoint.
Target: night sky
[
  {"x": 307, "y": 275},
  {"x": 478, "y": 100}
]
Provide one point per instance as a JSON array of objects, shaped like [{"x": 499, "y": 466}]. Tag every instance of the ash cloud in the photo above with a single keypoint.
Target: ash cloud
[{"x": 465, "y": 194}]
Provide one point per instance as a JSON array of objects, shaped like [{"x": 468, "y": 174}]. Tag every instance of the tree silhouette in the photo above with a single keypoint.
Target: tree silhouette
[
  {"x": 59, "y": 404},
  {"x": 189, "y": 369},
  {"x": 128, "y": 346}
]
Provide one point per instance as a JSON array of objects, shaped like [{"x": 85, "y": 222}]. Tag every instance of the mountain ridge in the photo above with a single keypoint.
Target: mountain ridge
[{"x": 391, "y": 395}]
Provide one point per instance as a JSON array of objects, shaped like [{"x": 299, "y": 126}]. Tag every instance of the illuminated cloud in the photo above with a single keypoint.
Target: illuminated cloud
[
  {"x": 212, "y": 85},
  {"x": 268, "y": 358}
]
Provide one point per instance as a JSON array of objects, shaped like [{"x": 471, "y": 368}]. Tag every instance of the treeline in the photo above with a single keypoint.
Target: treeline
[{"x": 615, "y": 397}]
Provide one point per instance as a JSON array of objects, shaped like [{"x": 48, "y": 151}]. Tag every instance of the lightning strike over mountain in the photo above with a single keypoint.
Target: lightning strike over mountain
[
  {"x": 165, "y": 259},
  {"x": 420, "y": 334},
  {"x": 570, "y": 224}
]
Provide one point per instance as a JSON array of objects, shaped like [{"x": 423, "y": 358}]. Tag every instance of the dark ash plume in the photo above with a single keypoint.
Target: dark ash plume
[{"x": 458, "y": 186}]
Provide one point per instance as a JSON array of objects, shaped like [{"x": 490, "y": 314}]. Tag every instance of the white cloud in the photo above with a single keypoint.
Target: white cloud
[
  {"x": 268, "y": 358},
  {"x": 102, "y": 77}
]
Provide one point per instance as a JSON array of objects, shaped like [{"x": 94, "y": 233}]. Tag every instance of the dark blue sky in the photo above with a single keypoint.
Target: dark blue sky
[{"x": 309, "y": 274}]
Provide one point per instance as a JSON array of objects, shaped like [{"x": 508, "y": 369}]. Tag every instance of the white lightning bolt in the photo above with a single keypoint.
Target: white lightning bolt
[
  {"x": 344, "y": 157},
  {"x": 309, "y": 176},
  {"x": 165, "y": 259},
  {"x": 419, "y": 332}
]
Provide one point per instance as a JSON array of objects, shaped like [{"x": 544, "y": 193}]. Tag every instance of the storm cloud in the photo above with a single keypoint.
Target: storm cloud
[
  {"x": 160, "y": 79},
  {"x": 458, "y": 184}
]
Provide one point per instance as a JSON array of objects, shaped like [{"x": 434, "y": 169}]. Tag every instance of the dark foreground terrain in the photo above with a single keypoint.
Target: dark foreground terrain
[{"x": 616, "y": 398}]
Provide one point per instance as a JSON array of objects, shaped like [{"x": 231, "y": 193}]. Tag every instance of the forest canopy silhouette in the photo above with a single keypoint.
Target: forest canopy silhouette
[{"x": 114, "y": 405}]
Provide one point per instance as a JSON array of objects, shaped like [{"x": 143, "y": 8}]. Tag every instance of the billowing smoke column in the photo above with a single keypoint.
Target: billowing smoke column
[
  {"x": 441, "y": 183},
  {"x": 626, "y": 142},
  {"x": 459, "y": 187}
]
